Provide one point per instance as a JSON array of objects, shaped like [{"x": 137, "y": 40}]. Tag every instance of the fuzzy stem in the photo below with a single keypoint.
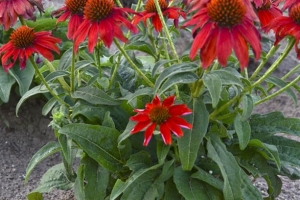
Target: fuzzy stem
[
  {"x": 46, "y": 84},
  {"x": 137, "y": 70},
  {"x": 166, "y": 30}
]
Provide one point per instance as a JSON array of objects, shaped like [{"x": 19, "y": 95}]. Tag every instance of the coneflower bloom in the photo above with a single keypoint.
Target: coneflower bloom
[
  {"x": 73, "y": 9},
  {"x": 10, "y": 10},
  {"x": 150, "y": 12},
  {"x": 221, "y": 26},
  {"x": 288, "y": 4},
  {"x": 24, "y": 42},
  {"x": 267, "y": 12},
  {"x": 102, "y": 20},
  {"x": 288, "y": 26},
  {"x": 165, "y": 115}
]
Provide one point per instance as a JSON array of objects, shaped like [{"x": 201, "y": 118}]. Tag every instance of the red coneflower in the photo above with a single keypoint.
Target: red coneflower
[
  {"x": 221, "y": 26},
  {"x": 288, "y": 25},
  {"x": 102, "y": 19},
  {"x": 288, "y": 4},
  {"x": 73, "y": 9},
  {"x": 267, "y": 12},
  {"x": 151, "y": 13},
  {"x": 11, "y": 9},
  {"x": 165, "y": 115},
  {"x": 24, "y": 42}
]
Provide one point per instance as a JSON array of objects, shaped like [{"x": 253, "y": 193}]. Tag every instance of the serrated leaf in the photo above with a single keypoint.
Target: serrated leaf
[
  {"x": 47, "y": 150},
  {"x": 172, "y": 70},
  {"x": 214, "y": 86},
  {"x": 94, "y": 96},
  {"x": 243, "y": 131},
  {"x": 6, "y": 82},
  {"x": 231, "y": 172},
  {"x": 23, "y": 77},
  {"x": 54, "y": 178},
  {"x": 193, "y": 189},
  {"x": 189, "y": 144},
  {"x": 185, "y": 77},
  {"x": 100, "y": 143}
]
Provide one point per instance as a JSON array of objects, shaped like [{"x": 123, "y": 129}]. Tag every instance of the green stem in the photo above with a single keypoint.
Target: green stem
[
  {"x": 60, "y": 79},
  {"x": 263, "y": 62},
  {"x": 98, "y": 60},
  {"x": 276, "y": 63},
  {"x": 137, "y": 70},
  {"x": 22, "y": 21},
  {"x": 72, "y": 78},
  {"x": 279, "y": 91},
  {"x": 114, "y": 72},
  {"x": 46, "y": 84},
  {"x": 166, "y": 30},
  {"x": 226, "y": 105},
  {"x": 290, "y": 72}
]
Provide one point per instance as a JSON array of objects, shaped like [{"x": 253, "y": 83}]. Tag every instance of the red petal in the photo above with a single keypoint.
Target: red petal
[
  {"x": 148, "y": 134},
  {"x": 240, "y": 48},
  {"x": 209, "y": 51},
  {"x": 168, "y": 101},
  {"x": 155, "y": 101},
  {"x": 180, "y": 109},
  {"x": 140, "y": 126},
  {"x": 181, "y": 122},
  {"x": 224, "y": 46},
  {"x": 157, "y": 23},
  {"x": 140, "y": 118},
  {"x": 174, "y": 127},
  {"x": 165, "y": 133}
]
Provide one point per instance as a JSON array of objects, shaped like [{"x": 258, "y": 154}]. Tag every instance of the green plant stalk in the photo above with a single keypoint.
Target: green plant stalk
[
  {"x": 72, "y": 78},
  {"x": 271, "y": 52},
  {"x": 166, "y": 30},
  {"x": 281, "y": 90},
  {"x": 276, "y": 63},
  {"x": 98, "y": 61},
  {"x": 60, "y": 79},
  {"x": 114, "y": 72},
  {"x": 46, "y": 84},
  {"x": 226, "y": 105},
  {"x": 137, "y": 70}
]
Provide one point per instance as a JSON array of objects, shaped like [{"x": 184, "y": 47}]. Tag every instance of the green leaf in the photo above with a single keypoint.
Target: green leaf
[
  {"x": 66, "y": 60},
  {"x": 54, "y": 178},
  {"x": 189, "y": 144},
  {"x": 23, "y": 77},
  {"x": 172, "y": 70},
  {"x": 136, "y": 185},
  {"x": 35, "y": 196},
  {"x": 162, "y": 151},
  {"x": 144, "y": 91},
  {"x": 249, "y": 191},
  {"x": 42, "y": 24},
  {"x": 36, "y": 90},
  {"x": 159, "y": 64},
  {"x": 208, "y": 178},
  {"x": 247, "y": 106},
  {"x": 94, "y": 96},
  {"x": 231, "y": 172},
  {"x": 139, "y": 160},
  {"x": 108, "y": 121},
  {"x": 100, "y": 143},
  {"x": 141, "y": 46},
  {"x": 171, "y": 191},
  {"x": 79, "y": 183},
  {"x": 126, "y": 133},
  {"x": 97, "y": 179},
  {"x": 47, "y": 150},
  {"x": 56, "y": 74},
  {"x": 268, "y": 151},
  {"x": 214, "y": 86},
  {"x": 6, "y": 82},
  {"x": 243, "y": 131},
  {"x": 48, "y": 106},
  {"x": 185, "y": 77},
  {"x": 228, "y": 76},
  {"x": 193, "y": 189}
]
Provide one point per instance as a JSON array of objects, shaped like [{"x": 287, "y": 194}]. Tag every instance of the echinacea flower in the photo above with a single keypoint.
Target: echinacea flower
[
  {"x": 10, "y": 10},
  {"x": 221, "y": 26},
  {"x": 150, "y": 12},
  {"x": 73, "y": 9},
  {"x": 23, "y": 42},
  {"x": 288, "y": 26},
  {"x": 102, "y": 20},
  {"x": 165, "y": 115},
  {"x": 267, "y": 12},
  {"x": 288, "y": 4}
]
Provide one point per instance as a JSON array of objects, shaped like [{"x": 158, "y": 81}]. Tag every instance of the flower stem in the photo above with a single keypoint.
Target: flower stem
[
  {"x": 46, "y": 84},
  {"x": 137, "y": 70},
  {"x": 226, "y": 105},
  {"x": 60, "y": 79},
  {"x": 72, "y": 78},
  {"x": 166, "y": 30},
  {"x": 115, "y": 71},
  {"x": 276, "y": 63},
  {"x": 279, "y": 91},
  {"x": 263, "y": 62}
]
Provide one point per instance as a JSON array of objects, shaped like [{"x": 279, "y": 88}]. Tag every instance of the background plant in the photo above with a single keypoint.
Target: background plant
[{"x": 94, "y": 91}]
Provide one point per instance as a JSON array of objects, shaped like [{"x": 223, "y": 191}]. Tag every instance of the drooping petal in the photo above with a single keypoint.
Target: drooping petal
[
  {"x": 140, "y": 126},
  {"x": 224, "y": 46},
  {"x": 166, "y": 134},
  {"x": 175, "y": 128},
  {"x": 240, "y": 48},
  {"x": 148, "y": 134},
  {"x": 181, "y": 122}
]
